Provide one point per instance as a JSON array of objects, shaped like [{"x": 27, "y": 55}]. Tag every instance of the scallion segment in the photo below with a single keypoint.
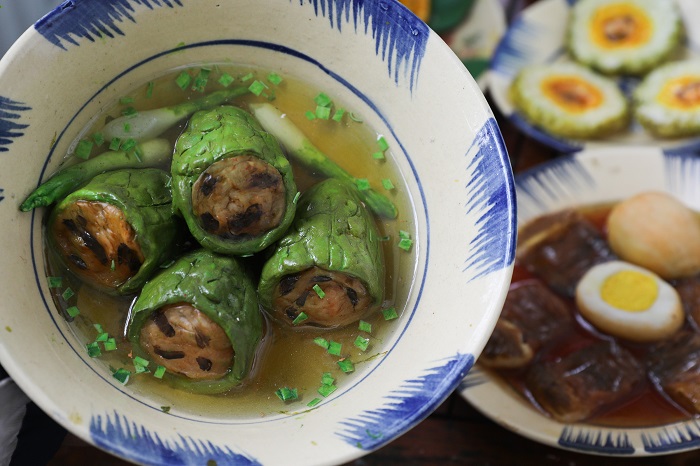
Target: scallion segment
[
  {"x": 346, "y": 366},
  {"x": 327, "y": 379},
  {"x": 274, "y": 78},
  {"x": 257, "y": 87},
  {"x": 149, "y": 89},
  {"x": 361, "y": 342},
  {"x": 313, "y": 402},
  {"x": 322, "y": 100},
  {"x": 73, "y": 311},
  {"x": 55, "y": 282},
  {"x": 110, "y": 344},
  {"x": 323, "y": 113},
  {"x": 67, "y": 294},
  {"x": 93, "y": 349},
  {"x": 183, "y": 80},
  {"x": 322, "y": 342},
  {"x": 365, "y": 326},
  {"x": 287, "y": 394},
  {"x": 98, "y": 138},
  {"x": 390, "y": 313},
  {"x": 326, "y": 390},
  {"x": 122, "y": 375},
  {"x": 83, "y": 149},
  {"x": 383, "y": 145},
  {"x": 159, "y": 372},
  {"x": 300, "y": 318},
  {"x": 319, "y": 291},
  {"x": 334, "y": 348},
  {"x": 226, "y": 80},
  {"x": 388, "y": 185}
]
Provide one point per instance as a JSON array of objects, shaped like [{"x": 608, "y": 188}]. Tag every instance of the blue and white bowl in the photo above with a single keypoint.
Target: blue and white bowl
[
  {"x": 594, "y": 176},
  {"x": 386, "y": 64}
]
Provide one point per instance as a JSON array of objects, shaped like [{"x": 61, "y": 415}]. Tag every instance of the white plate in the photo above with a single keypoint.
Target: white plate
[
  {"x": 537, "y": 36},
  {"x": 593, "y": 176}
]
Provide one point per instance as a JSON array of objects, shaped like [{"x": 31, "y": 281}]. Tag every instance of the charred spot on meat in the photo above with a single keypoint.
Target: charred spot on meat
[
  {"x": 187, "y": 342},
  {"x": 239, "y": 196},
  {"x": 287, "y": 284}
]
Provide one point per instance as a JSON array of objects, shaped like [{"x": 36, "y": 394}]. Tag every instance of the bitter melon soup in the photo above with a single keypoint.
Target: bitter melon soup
[{"x": 229, "y": 241}]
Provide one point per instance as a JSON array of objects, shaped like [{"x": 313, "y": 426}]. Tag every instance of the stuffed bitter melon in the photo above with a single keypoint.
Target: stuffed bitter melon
[
  {"x": 231, "y": 182},
  {"x": 116, "y": 230},
  {"x": 200, "y": 319},
  {"x": 328, "y": 270}
]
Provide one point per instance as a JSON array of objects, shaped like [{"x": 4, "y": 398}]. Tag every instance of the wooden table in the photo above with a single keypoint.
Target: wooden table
[{"x": 456, "y": 433}]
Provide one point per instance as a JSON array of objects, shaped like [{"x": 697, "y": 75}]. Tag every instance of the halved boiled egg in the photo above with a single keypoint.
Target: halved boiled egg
[{"x": 627, "y": 301}]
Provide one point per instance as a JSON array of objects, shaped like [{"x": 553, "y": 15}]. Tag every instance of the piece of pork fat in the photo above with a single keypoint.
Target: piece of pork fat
[
  {"x": 689, "y": 291},
  {"x": 559, "y": 248},
  {"x": 674, "y": 366},
  {"x": 532, "y": 316},
  {"x": 185, "y": 341},
  {"x": 585, "y": 382}
]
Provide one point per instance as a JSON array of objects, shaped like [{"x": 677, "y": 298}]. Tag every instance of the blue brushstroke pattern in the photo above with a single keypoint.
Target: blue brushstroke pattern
[
  {"x": 117, "y": 435},
  {"x": 669, "y": 440},
  {"x": 560, "y": 145},
  {"x": 475, "y": 378},
  {"x": 413, "y": 402},
  {"x": 595, "y": 441},
  {"x": 516, "y": 48},
  {"x": 400, "y": 37},
  {"x": 91, "y": 19},
  {"x": 493, "y": 247},
  {"x": 9, "y": 128}
]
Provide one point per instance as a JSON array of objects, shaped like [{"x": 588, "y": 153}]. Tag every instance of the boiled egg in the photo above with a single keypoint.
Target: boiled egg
[{"x": 627, "y": 301}]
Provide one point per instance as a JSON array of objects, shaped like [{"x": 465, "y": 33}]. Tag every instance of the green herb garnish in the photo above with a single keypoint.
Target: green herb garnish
[
  {"x": 378, "y": 156},
  {"x": 383, "y": 145},
  {"x": 149, "y": 89},
  {"x": 128, "y": 144},
  {"x": 159, "y": 372},
  {"x": 141, "y": 364},
  {"x": 326, "y": 390},
  {"x": 310, "y": 115},
  {"x": 274, "y": 78},
  {"x": 83, "y": 149},
  {"x": 113, "y": 266},
  {"x": 257, "y": 87},
  {"x": 98, "y": 327},
  {"x": 73, "y": 311},
  {"x": 126, "y": 100},
  {"x": 165, "y": 409},
  {"x": 322, "y": 342},
  {"x": 390, "y": 313},
  {"x": 114, "y": 144},
  {"x": 323, "y": 100},
  {"x": 200, "y": 81},
  {"x": 122, "y": 375},
  {"x": 226, "y": 80},
  {"x": 405, "y": 244},
  {"x": 102, "y": 337},
  {"x": 110, "y": 344},
  {"x": 129, "y": 112},
  {"x": 93, "y": 349},
  {"x": 361, "y": 342},
  {"x": 388, "y": 185},
  {"x": 323, "y": 113},
  {"x": 300, "y": 318},
  {"x": 98, "y": 138},
  {"x": 362, "y": 184},
  {"x": 296, "y": 197},
  {"x": 55, "y": 282},
  {"x": 183, "y": 80},
  {"x": 287, "y": 394},
  {"x": 247, "y": 77},
  {"x": 365, "y": 326},
  {"x": 334, "y": 348},
  {"x": 346, "y": 366},
  {"x": 327, "y": 379},
  {"x": 313, "y": 402},
  {"x": 67, "y": 294},
  {"x": 338, "y": 115},
  {"x": 319, "y": 291}
]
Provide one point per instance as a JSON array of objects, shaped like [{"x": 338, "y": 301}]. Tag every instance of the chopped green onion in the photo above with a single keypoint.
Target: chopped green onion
[
  {"x": 383, "y": 145},
  {"x": 323, "y": 113},
  {"x": 287, "y": 394},
  {"x": 326, "y": 390},
  {"x": 128, "y": 145},
  {"x": 113, "y": 266},
  {"x": 274, "y": 78},
  {"x": 55, "y": 282},
  {"x": 83, "y": 149},
  {"x": 111, "y": 344},
  {"x": 73, "y": 311},
  {"x": 296, "y": 197},
  {"x": 122, "y": 375},
  {"x": 365, "y": 326},
  {"x": 346, "y": 366},
  {"x": 68, "y": 294},
  {"x": 313, "y": 402},
  {"x": 338, "y": 115},
  {"x": 200, "y": 81},
  {"x": 226, "y": 80},
  {"x": 385, "y": 238},
  {"x": 98, "y": 138},
  {"x": 355, "y": 118},
  {"x": 334, "y": 348},
  {"x": 378, "y": 156},
  {"x": 321, "y": 294},
  {"x": 165, "y": 409},
  {"x": 114, "y": 144},
  {"x": 183, "y": 80},
  {"x": 404, "y": 234},
  {"x": 362, "y": 184},
  {"x": 141, "y": 364},
  {"x": 257, "y": 87},
  {"x": 390, "y": 314},
  {"x": 327, "y": 379},
  {"x": 361, "y": 342},
  {"x": 323, "y": 100},
  {"x": 322, "y": 342},
  {"x": 159, "y": 372},
  {"x": 126, "y": 100},
  {"x": 388, "y": 185},
  {"x": 405, "y": 244},
  {"x": 149, "y": 89},
  {"x": 98, "y": 327},
  {"x": 310, "y": 115},
  {"x": 103, "y": 336},
  {"x": 300, "y": 318},
  {"x": 247, "y": 77},
  {"x": 129, "y": 112},
  {"x": 127, "y": 127},
  {"x": 93, "y": 349}
]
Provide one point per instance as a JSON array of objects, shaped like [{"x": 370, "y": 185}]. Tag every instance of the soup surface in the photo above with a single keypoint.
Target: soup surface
[{"x": 287, "y": 358}]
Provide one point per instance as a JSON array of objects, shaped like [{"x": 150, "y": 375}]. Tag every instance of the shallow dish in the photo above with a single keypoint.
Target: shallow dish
[
  {"x": 536, "y": 36},
  {"x": 593, "y": 176},
  {"x": 446, "y": 147}
]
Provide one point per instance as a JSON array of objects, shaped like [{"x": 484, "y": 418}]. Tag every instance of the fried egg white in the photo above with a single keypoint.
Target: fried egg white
[
  {"x": 667, "y": 101},
  {"x": 627, "y": 301},
  {"x": 623, "y": 36},
  {"x": 569, "y": 100}
]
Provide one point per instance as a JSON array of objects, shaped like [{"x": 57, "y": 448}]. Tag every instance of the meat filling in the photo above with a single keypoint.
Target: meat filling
[
  {"x": 560, "y": 248},
  {"x": 239, "y": 196},
  {"x": 186, "y": 341},
  {"x": 674, "y": 365},
  {"x": 582, "y": 383},
  {"x": 532, "y": 316},
  {"x": 97, "y": 243},
  {"x": 329, "y": 299}
]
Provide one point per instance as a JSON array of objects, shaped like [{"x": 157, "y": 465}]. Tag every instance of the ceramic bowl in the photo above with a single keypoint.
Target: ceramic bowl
[
  {"x": 385, "y": 64},
  {"x": 595, "y": 176}
]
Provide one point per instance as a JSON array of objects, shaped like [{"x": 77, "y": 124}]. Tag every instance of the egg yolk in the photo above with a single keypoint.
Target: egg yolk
[
  {"x": 630, "y": 290},
  {"x": 572, "y": 93},
  {"x": 681, "y": 93},
  {"x": 620, "y": 25}
]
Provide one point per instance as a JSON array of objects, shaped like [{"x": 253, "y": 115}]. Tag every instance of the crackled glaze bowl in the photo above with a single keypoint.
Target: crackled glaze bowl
[{"x": 407, "y": 84}]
